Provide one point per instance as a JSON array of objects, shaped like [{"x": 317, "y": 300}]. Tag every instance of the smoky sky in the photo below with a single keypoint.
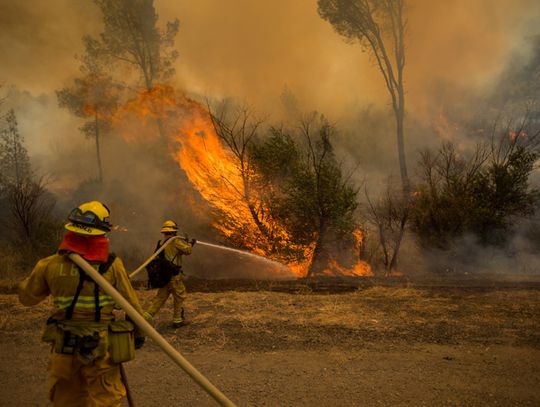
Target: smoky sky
[{"x": 252, "y": 50}]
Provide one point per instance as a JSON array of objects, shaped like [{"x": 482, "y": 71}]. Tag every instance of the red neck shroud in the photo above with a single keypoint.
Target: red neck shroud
[{"x": 92, "y": 248}]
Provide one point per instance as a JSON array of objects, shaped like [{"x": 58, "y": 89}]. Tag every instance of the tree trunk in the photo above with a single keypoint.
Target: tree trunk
[
  {"x": 98, "y": 150},
  {"x": 321, "y": 257},
  {"x": 400, "y": 116},
  {"x": 394, "y": 261}
]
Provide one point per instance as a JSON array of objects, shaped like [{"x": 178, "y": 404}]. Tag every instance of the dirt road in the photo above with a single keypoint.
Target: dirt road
[{"x": 374, "y": 347}]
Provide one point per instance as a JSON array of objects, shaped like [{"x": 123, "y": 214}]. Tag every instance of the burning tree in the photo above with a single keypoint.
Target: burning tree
[
  {"x": 275, "y": 194},
  {"x": 305, "y": 189},
  {"x": 237, "y": 130}
]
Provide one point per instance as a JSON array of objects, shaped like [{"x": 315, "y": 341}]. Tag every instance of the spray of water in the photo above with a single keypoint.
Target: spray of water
[{"x": 277, "y": 264}]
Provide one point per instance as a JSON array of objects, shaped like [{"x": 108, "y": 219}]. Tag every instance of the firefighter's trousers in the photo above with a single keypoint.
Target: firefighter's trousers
[
  {"x": 72, "y": 383},
  {"x": 175, "y": 287}
]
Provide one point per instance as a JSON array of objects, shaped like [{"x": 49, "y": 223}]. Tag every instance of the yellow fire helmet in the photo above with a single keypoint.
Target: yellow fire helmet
[
  {"x": 90, "y": 218},
  {"x": 169, "y": 226}
]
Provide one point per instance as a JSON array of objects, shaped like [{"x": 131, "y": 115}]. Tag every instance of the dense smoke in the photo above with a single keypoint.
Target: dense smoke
[
  {"x": 251, "y": 50},
  {"x": 257, "y": 52}
]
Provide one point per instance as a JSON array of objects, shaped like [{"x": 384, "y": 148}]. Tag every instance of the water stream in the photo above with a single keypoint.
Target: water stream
[{"x": 244, "y": 253}]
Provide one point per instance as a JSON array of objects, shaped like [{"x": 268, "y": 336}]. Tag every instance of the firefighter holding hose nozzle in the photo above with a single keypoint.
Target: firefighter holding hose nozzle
[
  {"x": 165, "y": 273},
  {"x": 88, "y": 344}
]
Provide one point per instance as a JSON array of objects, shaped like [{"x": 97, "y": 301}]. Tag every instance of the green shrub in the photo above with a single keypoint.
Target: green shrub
[{"x": 482, "y": 194}]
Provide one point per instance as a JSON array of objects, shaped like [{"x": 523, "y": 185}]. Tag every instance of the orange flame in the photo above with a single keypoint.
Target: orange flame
[{"x": 360, "y": 269}]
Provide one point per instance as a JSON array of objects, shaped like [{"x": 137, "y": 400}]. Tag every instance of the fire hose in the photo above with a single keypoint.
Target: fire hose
[
  {"x": 149, "y": 330},
  {"x": 152, "y": 257}
]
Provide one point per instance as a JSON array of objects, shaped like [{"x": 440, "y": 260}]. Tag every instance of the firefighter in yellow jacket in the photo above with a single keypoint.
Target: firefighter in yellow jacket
[
  {"x": 88, "y": 345},
  {"x": 172, "y": 253}
]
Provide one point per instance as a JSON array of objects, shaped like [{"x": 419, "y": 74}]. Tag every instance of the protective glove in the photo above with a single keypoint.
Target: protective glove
[
  {"x": 193, "y": 241},
  {"x": 139, "y": 342}
]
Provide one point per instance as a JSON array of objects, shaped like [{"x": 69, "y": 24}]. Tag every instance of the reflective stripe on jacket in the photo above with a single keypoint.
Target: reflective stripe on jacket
[
  {"x": 83, "y": 301},
  {"x": 58, "y": 276}
]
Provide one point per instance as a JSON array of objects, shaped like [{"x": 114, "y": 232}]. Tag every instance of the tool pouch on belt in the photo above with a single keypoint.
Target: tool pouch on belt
[
  {"x": 86, "y": 340},
  {"x": 121, "y": 341},
  {"x": 51, "y": 331}
]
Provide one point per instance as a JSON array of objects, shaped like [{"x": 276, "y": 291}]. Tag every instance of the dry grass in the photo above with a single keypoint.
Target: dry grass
[{"x": 269, "y": 320}]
